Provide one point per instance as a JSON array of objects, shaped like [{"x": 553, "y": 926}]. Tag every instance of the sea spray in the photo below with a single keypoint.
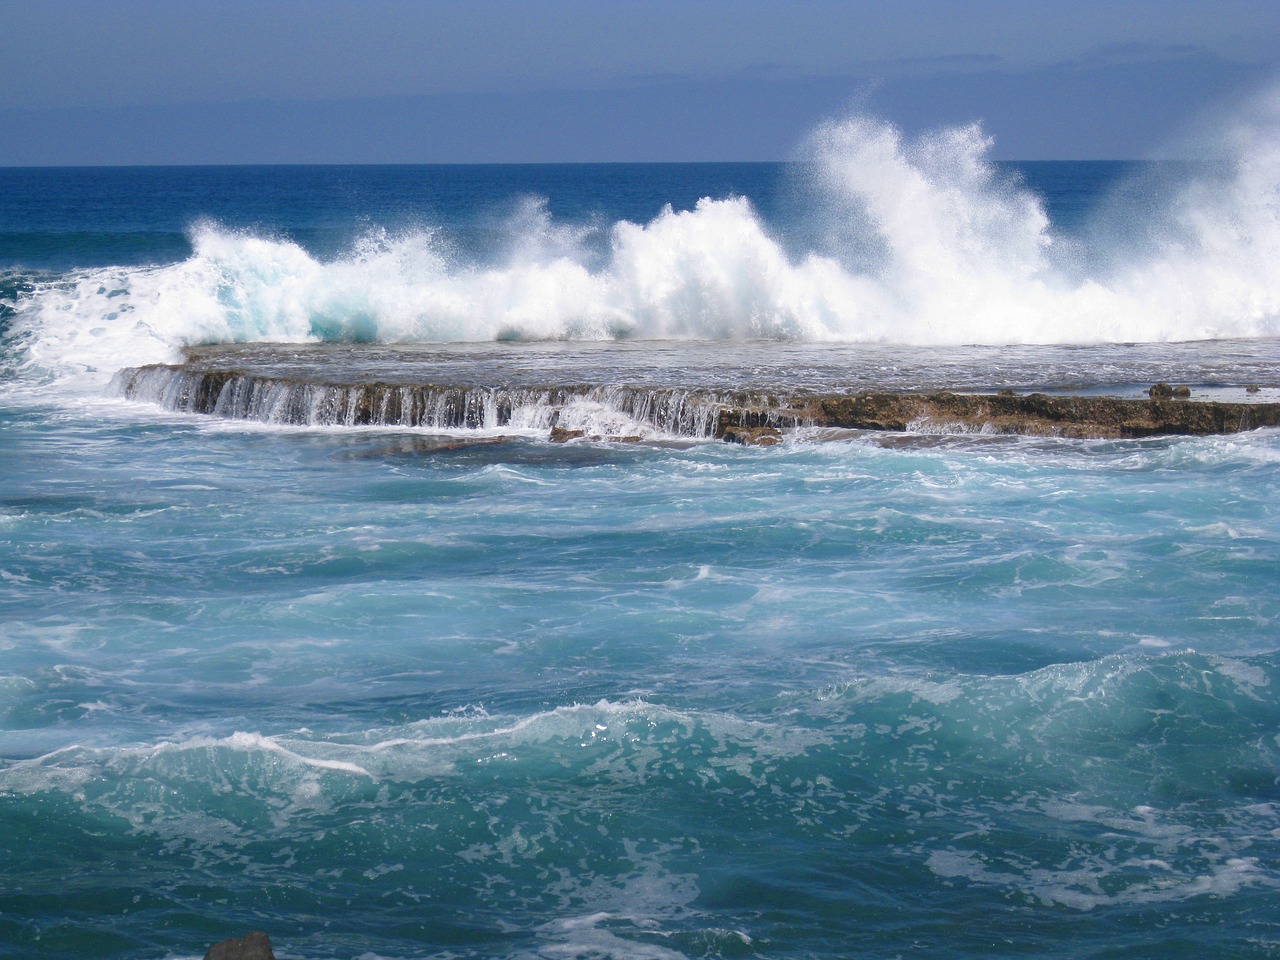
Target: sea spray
[
  {"x": 956, "y": 238},
  {"x": 934, "y": 245}
]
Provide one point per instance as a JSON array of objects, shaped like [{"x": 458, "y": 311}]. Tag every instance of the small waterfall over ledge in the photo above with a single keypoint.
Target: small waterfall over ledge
[
  {"x": 592, "y": 409},
  {"x": 359, "y": 387}
]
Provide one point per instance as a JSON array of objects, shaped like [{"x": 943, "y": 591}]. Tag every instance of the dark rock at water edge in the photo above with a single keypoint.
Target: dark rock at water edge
[
  {"x": 752, "y": 436},
  {"x": 1162, "y": 391},
  {"x": 561, "y": 435},
  {"x": 1036, "y": 415},
  {"x": 253, "y": 946},
  {"x": 564, "y": 435}
]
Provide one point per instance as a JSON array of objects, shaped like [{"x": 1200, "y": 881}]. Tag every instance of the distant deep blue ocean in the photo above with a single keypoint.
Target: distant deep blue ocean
[{"x": 389, "y": 693}]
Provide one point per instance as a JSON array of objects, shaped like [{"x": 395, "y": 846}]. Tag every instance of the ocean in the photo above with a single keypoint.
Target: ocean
[{"x": 449, "y": 689}]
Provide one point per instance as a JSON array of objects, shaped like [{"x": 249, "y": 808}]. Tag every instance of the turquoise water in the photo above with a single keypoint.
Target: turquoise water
[
  {"x": 818, "y": 700},
  {"x": 388, "y": 694}
]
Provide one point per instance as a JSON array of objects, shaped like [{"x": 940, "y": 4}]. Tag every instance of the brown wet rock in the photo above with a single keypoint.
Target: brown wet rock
[
  {"x": 1036, "y": 414},
  {"x": 253, "y": 946},
  {"x": 1160, "y": 391},
  {"x": 563, "y": 435},
  {"x": 753, "y": 436}
]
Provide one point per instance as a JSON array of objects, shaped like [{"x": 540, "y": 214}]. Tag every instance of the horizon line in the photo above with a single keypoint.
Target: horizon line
[{"x": 507, "y": 163}]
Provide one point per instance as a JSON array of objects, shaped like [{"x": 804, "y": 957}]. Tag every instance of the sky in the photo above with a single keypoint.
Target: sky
[{"x": 466, "y": 81}]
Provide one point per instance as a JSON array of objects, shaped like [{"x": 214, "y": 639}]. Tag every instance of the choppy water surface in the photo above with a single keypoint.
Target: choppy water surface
[
  {"x": 390, "y": 693},
  {"x": 517, "y": 699}
]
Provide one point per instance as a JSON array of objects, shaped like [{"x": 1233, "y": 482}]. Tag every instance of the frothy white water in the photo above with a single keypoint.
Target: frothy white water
[{"x": 929, "y": 243}]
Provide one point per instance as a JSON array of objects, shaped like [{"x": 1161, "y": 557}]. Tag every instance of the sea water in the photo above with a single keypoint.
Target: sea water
[{"x": 396, "y": 693}]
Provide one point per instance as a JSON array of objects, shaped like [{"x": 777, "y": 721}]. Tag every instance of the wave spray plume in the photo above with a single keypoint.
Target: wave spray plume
[{"x": 928, "y": 243}]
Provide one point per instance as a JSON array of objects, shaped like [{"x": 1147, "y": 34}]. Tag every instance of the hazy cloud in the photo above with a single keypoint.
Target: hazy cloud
[{"x": 143, "y": 81}]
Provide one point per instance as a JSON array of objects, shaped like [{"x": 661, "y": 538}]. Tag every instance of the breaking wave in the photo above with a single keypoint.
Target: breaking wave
[{"x": 929, "y": 243}]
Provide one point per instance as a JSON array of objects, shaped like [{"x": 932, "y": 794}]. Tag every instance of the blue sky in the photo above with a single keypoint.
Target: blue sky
[{"x": 393, "y": 81}]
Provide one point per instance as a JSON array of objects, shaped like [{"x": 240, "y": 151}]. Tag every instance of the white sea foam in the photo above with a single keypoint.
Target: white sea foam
[
  {"x": 1082, "y": 886},
  {"x": 428, "y": 749},
  {"x": 929, "y": 244}
]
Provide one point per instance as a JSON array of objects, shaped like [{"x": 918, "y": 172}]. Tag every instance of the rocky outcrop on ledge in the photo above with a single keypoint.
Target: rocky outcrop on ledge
[{"x": 1036, "y": 414}]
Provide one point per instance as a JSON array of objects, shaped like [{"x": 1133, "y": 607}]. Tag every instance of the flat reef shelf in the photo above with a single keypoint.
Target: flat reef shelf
[
  {"x": 1034, "y": 414},
  {"x": 312, "y": 398}
]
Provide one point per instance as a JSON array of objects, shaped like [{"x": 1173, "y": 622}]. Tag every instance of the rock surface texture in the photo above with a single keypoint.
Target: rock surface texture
[
  {"x": 737, "y": 417},
  {"x": 1036, "y": 414},
  {"x": 253, "y": 946}
]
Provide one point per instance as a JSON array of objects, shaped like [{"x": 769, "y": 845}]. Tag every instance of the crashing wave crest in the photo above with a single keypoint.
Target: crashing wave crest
[{"x": 932, "y": 245}]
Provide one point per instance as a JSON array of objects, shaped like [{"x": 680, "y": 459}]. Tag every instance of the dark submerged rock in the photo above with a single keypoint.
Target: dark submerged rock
[
  {"x": 253, "y": 946},
  {"x": 422, "y": 446}
]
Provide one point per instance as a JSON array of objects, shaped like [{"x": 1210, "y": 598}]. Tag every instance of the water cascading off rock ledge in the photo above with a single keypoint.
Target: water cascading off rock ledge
[
  {"x": 580, "y": 410},
  {"x": 252, "y": 396}
]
